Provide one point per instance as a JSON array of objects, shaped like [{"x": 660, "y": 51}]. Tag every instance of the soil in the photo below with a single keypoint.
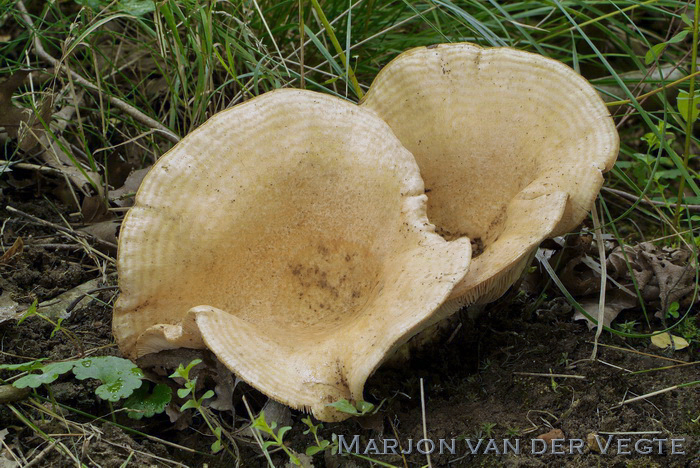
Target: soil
[{"x": 475, "y": 384}]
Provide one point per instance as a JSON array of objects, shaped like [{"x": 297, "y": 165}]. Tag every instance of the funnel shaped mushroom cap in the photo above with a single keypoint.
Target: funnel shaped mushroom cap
[
  {"x": 288, "y": 235},
  {"x": 511, "y": 147}
]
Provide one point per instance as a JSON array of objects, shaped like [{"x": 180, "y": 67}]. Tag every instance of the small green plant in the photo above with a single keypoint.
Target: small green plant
[
  {"x": 512, "y": 432},
  {"x": 321, "y": 444},
  {"x": 145, "y": 403},
  {"x": 188, "y": 390},
  {"x": 673, "y": 310},
  {"x": 120, "y": 379},
  {"x": 627, "y": 326},
  {"x": 261, "y": 424},
  {"x": 57, "y": 325},
  {"x": 361, "y": 408},
  {"x": 689, "y": 330},
  {"x": 487, "y": 429},
  {"x": 563, "y": 360},
  {"x": 553, "y": 383}
]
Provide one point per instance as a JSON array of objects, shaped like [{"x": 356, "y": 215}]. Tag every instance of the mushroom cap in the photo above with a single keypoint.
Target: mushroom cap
[
  {"x": 511, "y": 146},
  {"x": 289, "y": 236}
]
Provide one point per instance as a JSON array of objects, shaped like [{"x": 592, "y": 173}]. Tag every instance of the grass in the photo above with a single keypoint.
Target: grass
[{"x": 128, "y": 79}]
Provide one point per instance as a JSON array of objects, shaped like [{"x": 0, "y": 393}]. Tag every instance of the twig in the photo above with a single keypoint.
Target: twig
[
  {"x": 631, "y": 433},
  {"x": 658, "y": 392},
  {"x": 77, "y": 300},
  {"x": 116, "y": 102},
  {"x": 425, "y": 426},
  {"x": 10, "y": 393},
  {"x": 40, "y": 456},
  {"x": 634, "y": 351},
  {"x": 84, "y": 235},
  {"x": 646, "y": 201},
  {"x": 603, "y": 279},
  {"x": 28, "y": 167},
  {"x": 655, "y": 91},
  {"x": 543, "y": 374}
]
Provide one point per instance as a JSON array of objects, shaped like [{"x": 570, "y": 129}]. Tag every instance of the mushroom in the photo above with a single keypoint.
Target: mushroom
[
  {"x": 511, "y": 146},
  {"x": 289, "y": 236}
]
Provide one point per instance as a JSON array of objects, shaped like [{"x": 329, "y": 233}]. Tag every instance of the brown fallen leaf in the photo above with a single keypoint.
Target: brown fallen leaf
[
  {"x": 551, "y": 435},
  {"x": 56, "y": 308},
  {"x": 94, "y": 210},
  {"x": 131, "y": 185},
  {"x": 615, "y": 302},
  {"x": 21, "y": 123},
  {"x": 105, "y": 231},
  {"x": 593, "y": 442},
  {"x": 9, "y": 309},
  {"x": 16, "y": 248}
]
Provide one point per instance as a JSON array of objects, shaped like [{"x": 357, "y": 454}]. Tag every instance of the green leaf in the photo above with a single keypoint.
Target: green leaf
[
  {"x": 132, "y": 7},
  {"x": 183, "y": 392},
  {"x": 184, "y": 372},
  {"x": 144, "y": 403},
  {"x": 686, "y": 19},
  {"x": 49, "y": 373},
  {"x": 673, "y": 309},
  {"x": 119, "y": 377},
  {"x": 31, "y": 311},
  {"x": 25, "y": 366},
  {"x": 678, "y": 37},
  {"x": 283, "y": 430},
  {"x": 57, "y": 327},
  {"x": 269, "y": 443},
  {"x": 683, "y": 100},
  {"x": 365, "y": 407},
  {"x": 654, "y": 52},
  {"x": 344, "y": 406},
  {"x": 311, "y": 451},
  {"x": 208, "y": 394},
  {"x": 137, "y": 7},
  {"x": 188, "y": 404}
]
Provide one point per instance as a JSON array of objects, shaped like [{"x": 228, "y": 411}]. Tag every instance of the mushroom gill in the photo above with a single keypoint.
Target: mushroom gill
[
  {"x": 289, "y": 236},
  {"x": 511, "y": 147}
]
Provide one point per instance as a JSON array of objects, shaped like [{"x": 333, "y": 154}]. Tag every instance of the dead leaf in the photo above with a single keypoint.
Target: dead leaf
[
  {"x": 94, "y": 210},
  {"x": 615, "y": 302},
  {"x": 20, "y": 123},
  {"x": 56, "y": 308},
  {"x": 306, "y": 461},
  {"x": 664, "y": 340},
  {"x": 16, "y": 248},
  {"x": 578, "y": 278},
  {"x": 121, "y": 197},
  {"x": 551, "y": 435},
  {"x": 104, "y": 231},
  {"x": 9, "y": 309},
  {"x": 593, "y": 442}
]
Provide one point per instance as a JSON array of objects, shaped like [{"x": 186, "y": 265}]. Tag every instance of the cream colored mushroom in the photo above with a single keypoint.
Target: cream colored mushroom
[
  {"x": 289, "y": 236},
  {"x": 511, "y": 146}
]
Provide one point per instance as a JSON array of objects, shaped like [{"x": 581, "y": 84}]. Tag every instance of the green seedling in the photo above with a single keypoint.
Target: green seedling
[
  {"x": 277, "y": 437},
  {"x": 188, "y": 390},
  {"x": 487, "y": 429},
  {"x": 362, "y": 408},
  {"x": 321, "y": 444},
  {"x": 57, "y": 325}
]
